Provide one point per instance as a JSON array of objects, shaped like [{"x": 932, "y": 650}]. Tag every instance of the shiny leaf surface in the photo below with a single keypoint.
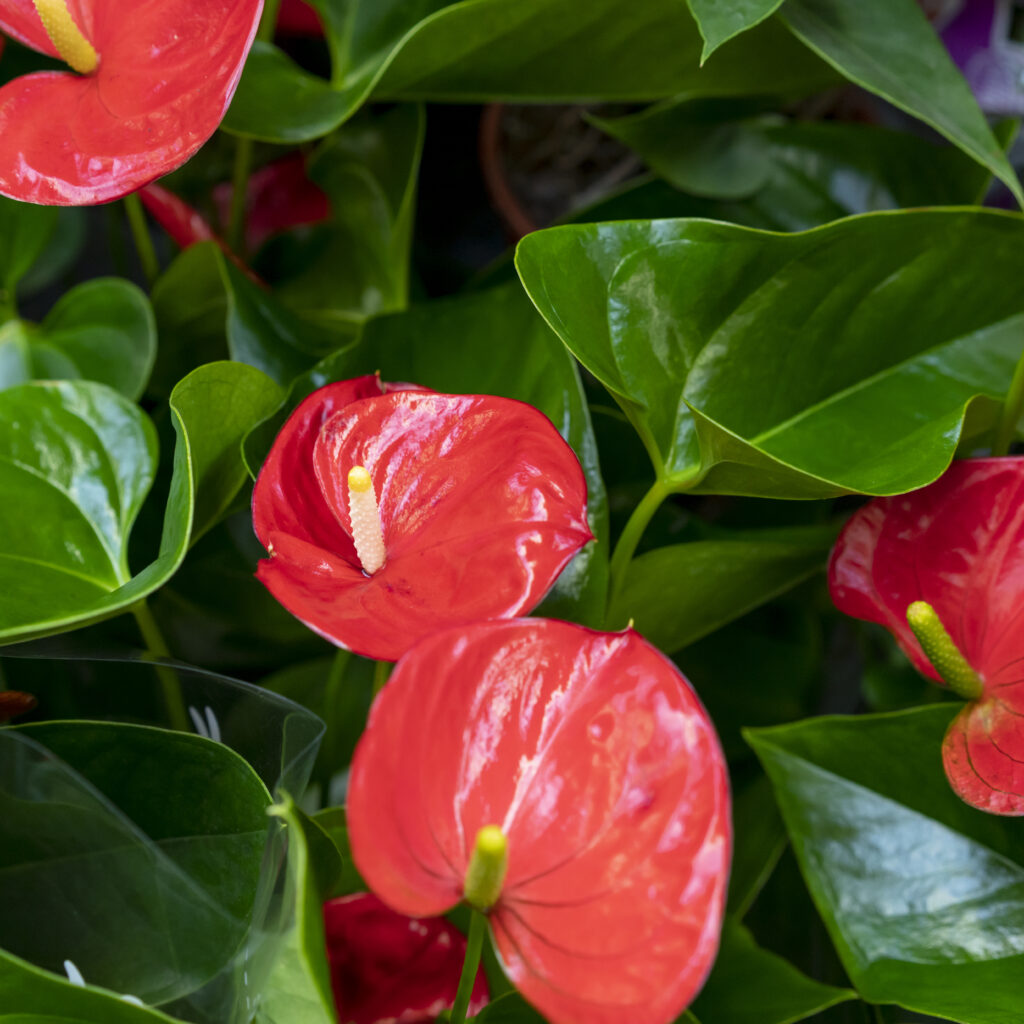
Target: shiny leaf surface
[
  {"x": 77, "y": 461},
  {"x": 676, "y": 595},
  {"x": 921, "y": 894},
  {"x": 959, "y": 545},
  {"x": 538, "y": 50},
  {"x": 70, "y": 139},
  {"x": 595, "y": 757},
  {"x": 734, "y": 352},
  {"x": 888, "y": 47},
  {"x": 482, "y": 504},
  {"x": 160, "y": 832},
  {"x": 102, "y": 330}
]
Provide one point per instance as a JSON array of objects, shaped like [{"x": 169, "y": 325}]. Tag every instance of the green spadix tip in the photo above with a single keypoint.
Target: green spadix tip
[
  {"x": 952, "y": 667},
  {"x": 487, "y": 867}
]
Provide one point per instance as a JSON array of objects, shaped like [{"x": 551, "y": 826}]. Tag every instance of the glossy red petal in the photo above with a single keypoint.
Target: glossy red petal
[
  {"x": 593, "y": 754},
  {"x": 280, "y": 196},
  {"x": 166, "y": 76},
  {"x": 297, "y": 18},
  {"x": 482, "y": 505},
  {"x": 185, "y": 225},
  {"x": 387, "y": 967}
]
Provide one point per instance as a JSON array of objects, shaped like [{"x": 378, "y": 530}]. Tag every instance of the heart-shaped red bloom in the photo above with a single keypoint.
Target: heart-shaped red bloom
[
  {"x": 387, "y": 968},
  {"x": 594, "y": 756},
  {"x": 482, "y": 505},
  {"x": 959, "y": 545},
  {"x": 166, "y": 74}
]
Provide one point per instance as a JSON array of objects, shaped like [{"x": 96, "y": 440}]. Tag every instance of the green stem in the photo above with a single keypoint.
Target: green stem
[
  {"x": 630, "y": 537},
  {"x": 474, "y": 947},
  {"x": 239, "y": 190},
  {"x": 169, "y": 682},
  {"x": 381, "y": 673},
  {"x": 268, "y": 23},
  {"x": 143, "y": 240},
  {"x": 1013, "y": 405}
]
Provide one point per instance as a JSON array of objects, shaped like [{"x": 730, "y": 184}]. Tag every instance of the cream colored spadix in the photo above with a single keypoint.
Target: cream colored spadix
[
  {"x": 66, "y": 36},
  {"x": 365, "y": 516}
]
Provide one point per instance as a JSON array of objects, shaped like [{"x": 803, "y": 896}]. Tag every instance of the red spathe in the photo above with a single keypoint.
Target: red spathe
[
  {"x": 386, "y": 967},
  {"x": 592, "y": 753},
  {"x": 959, "y": 545},
  {"x": 482, "y": 505},
  {"x": 167, "y": 71}
]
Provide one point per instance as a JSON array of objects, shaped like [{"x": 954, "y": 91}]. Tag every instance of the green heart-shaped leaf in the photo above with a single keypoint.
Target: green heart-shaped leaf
[
  {"x": 102, "y": 330},
  {"x": 76, "y": 461},
  {"x": 843, "y": 359},
  {"x": 923, "y": 895}
]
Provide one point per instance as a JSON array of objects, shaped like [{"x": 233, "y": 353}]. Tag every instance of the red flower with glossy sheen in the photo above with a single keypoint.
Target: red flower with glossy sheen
[
  {"x": 595, "y": 758},
  {"x": 959, "y": 545},
  {"x": 482, "y": 504},
  {"x": 386, "y": 967},
  {"x": 166, "y": 72}
]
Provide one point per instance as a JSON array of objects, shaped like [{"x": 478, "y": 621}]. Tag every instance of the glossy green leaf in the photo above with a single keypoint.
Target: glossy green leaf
[
  {"x": 719, "y": 22},
  {"x": 794, "y": 175},
  {"x": 923, "y": 895},
  {"x": 206, "y": 294},
  {"x": 441, "y": 345},
  {"x": 889, "y": 48},
  {"x": 25, "y": 231},
  {"x": 103, "y": 330},
  {"x": 534, "y": 50},
  {"x": 735, "y": 352},
  {"x": 358, "y": 262},
  {"x": 678, "y": 594},
  {"x": 298, "y": 990},
  {"x": 30, "y": 995},
  {"x": 749, "y": 985},
  {"x": 76, "y": 461},
  {"x": 162, "y": 832}
]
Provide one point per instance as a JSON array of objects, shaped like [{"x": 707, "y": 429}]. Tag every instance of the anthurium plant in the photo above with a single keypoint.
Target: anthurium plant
[{"x": 511, "y": 512}]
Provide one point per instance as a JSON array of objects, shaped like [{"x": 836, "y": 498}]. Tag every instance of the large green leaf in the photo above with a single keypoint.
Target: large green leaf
[
  {"x": 678, "y": 594},
  {"x": 76, "y": 461},
  {"x": 103, "y": 330},
  {"x": 719, "y": 22},
  {"x": 843, "y": 359},
  {"x": 298, "y": 990},
  {"x": 490, "y": 343},
  {"x": 922, "y": 894},
  {"x": 749, "y": 985},
  {"x": 205, "y": 297},
  {"x": 888, "y": 47},
  {"x": 30, "y": 995},
  {"x": 358, "y": 262},
  {"x": 534, "y": 50},
  {"x": 161, "y": 832}
]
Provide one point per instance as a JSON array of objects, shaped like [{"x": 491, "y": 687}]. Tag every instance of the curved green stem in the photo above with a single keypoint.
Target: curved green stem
[
  {"x": 1013, "y": 406},
  {"x": 143, "y": 240},
  {"x": 474, "y": 947},
  {"x": 381, "y": 673},
  {"x": 169, "y": 682},
  {"x": 239, "y": 194},
  {"x": 630, "y": 537}
]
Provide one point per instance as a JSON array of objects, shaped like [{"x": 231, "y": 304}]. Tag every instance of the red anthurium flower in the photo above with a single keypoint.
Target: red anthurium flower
[
  {"x": 297, "y": 18},
  {"x": 149, "y": 87},
  {"x": 591, "y": 754},
  {"x": 390, "y": 513},
  {"x": 958, "y": 545},
  {"x": 386, "y": 967}
]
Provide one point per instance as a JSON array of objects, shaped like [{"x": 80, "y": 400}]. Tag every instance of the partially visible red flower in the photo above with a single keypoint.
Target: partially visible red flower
[
  {"x": 297, "y": 18},
  {"x": 166, "y": 72},
  {"x": 592, "y": 754},
  {"x": 279, "y": 196},
  {"x": 386, "y": 967},
  {"x": 957, "y": 544},
  {"x": 482, "y": 504}
]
